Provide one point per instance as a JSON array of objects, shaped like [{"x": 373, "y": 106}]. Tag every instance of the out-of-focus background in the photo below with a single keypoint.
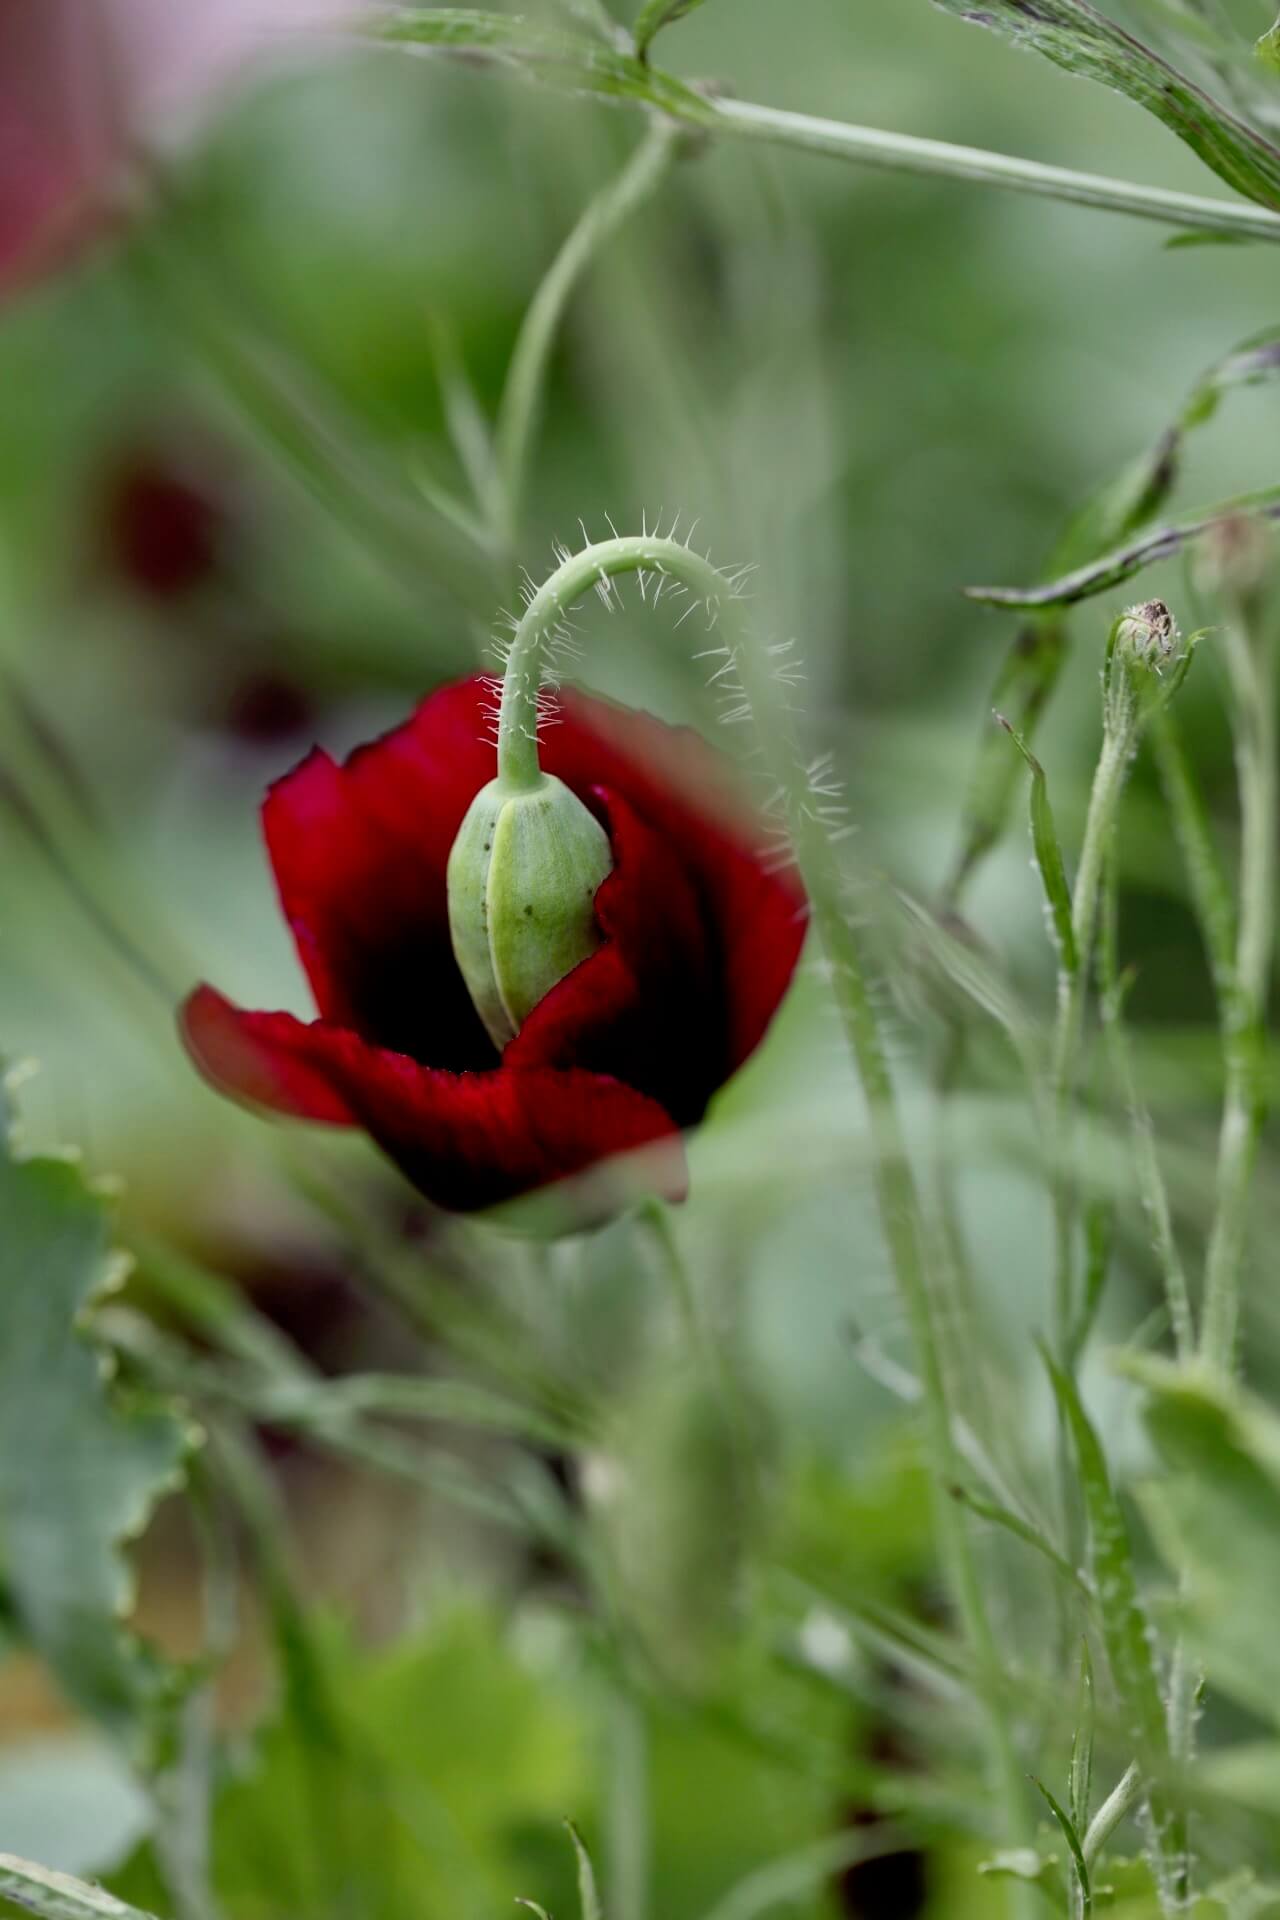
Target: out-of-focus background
[{"x": 224, "y": 433}]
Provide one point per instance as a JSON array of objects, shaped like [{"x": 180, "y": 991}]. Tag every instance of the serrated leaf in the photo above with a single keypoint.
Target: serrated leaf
[
  {"x": 656, "y": 15},
  {"x": 80, "y": 1467},
  {"x": 1113, "y": 569},
  {"x": 59, "y": 1896},
  {"x": 1124, "y": 1623},
  {"x": 1076, "y": 37},
  {"x": 1048, "y": 851}
]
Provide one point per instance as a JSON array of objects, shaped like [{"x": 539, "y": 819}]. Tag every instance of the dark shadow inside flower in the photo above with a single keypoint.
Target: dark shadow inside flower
[{"x": 699, "y": 941}]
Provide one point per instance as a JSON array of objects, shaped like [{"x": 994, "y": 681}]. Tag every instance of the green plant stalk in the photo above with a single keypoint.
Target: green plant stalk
[
  {"x": 1119, "y": 739},
  {"x": 907, "y": 153},
  {"x": 627, "y": 1807},
  {"x": 521, "y": 404},
  {"x": 894, "y": 1182},
  {"x": 1251, "y": 670},
  {"x": 1122, "y": 1799},
  {"x": 1151, "y": 1184}
]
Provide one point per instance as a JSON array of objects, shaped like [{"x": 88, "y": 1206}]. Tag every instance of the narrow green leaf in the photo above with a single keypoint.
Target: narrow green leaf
[
  {"x": 1113, "y": 569},
  {"x": 1044, "y": 838},
  {"x": 81, "y": 1466},
  {"x": 1081, "y": 1778},
  {"x": 657, "y": 14},
  {"x": 1023, "y": 687},
  {"x": 1072, "y": 1838},
  {"x": 1099, "y": 1244},
  {"x": 1076, "y": 37},
  {"x": 588, "y": 1892},
  {"x": 1124, "y": 1622},
  {"x": 59, "y": 1896},
  {"x": 1021, "y": 1529}
]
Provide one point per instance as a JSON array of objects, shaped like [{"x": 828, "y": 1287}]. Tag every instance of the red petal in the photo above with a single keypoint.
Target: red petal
[
  {"x": 360, "y": 852},
  {"x": 465, "y": 1140},
  {"x": 643, "y": 1007},
  {"x": 684, "y": 790}
]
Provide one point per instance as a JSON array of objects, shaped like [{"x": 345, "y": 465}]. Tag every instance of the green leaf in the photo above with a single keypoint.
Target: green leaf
[
  {"x": 1112, "y": 569},
  {"x": 657, "y": 14},
  {"x": 1021, "y": 1529},
  {"x": 1124, "y": 1622},
  {"x": 58, "y": 1896},
  {"x": 1081, "y": 1779},
  {"x": 81, "y": 1465},
  {"x": 559, "y": 58},
  {"x": 1072, "y": 1838},
  {"x": 1267, "y": 48},
  {"x": 1076, "y": 37},
  {"x": 588, "y": 1892},
  {"x": 1024, "y": 1863},
  {"x": 1044, "y": 838},
  {"x": 1216, "y": 1520},
  {"x": 1024, "y": 686}
]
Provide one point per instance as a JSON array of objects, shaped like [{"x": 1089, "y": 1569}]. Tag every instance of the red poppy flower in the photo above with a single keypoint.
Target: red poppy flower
[{"x": 700, "y": 939}]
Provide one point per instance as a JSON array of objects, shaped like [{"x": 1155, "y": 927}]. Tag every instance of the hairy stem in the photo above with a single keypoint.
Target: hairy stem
[
  {"x": 1250, "y": 667},
  {"x": 1073, "y": 985},
  {"x": 899, "y": 1204}
]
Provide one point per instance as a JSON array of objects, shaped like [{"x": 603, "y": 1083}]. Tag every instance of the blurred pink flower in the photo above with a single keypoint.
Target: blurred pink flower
[{"x": 84, "y": 82}]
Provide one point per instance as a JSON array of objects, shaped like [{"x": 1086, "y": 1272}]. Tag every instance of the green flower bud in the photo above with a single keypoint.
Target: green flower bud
[{"x": 522, "y": 882}]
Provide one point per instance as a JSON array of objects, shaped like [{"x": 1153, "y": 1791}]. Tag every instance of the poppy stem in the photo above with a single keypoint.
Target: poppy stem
[
  {"x": 760, "y": 689},
  {"x": 543, "y": 626}
]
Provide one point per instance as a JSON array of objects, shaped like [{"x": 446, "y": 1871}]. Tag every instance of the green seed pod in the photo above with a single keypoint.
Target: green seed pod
[{"x": 522, "y": 881}]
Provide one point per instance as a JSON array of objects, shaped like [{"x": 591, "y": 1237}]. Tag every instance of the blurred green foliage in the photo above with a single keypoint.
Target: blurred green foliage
[{"x": 689, "y": 1597}]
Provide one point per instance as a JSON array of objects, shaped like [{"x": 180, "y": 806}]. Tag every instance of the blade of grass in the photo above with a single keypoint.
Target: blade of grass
[{"x": 1083, "y": 1905}]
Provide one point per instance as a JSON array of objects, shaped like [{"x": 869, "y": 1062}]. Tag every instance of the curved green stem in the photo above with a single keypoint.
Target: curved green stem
[
  {"x": 896, "y": 1193},
  {"x": 595, "y": 566},
  {"x": 1122, "y": 1799},
  {"x": 526, "y": 376}
]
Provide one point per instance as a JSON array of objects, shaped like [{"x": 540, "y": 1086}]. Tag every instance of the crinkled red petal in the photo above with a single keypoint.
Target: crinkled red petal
[
  {"x": 466, "y": 1140},
  {"x": 644, "y": 1006},
  {"x": 360, "y": 852},
  {"x": 756, "y": 914}
]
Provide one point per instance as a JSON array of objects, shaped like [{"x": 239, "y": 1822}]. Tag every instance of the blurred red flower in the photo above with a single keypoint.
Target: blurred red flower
[
  {"x": 700, "y": 939},
  {"x": 85, "y": 83}
]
